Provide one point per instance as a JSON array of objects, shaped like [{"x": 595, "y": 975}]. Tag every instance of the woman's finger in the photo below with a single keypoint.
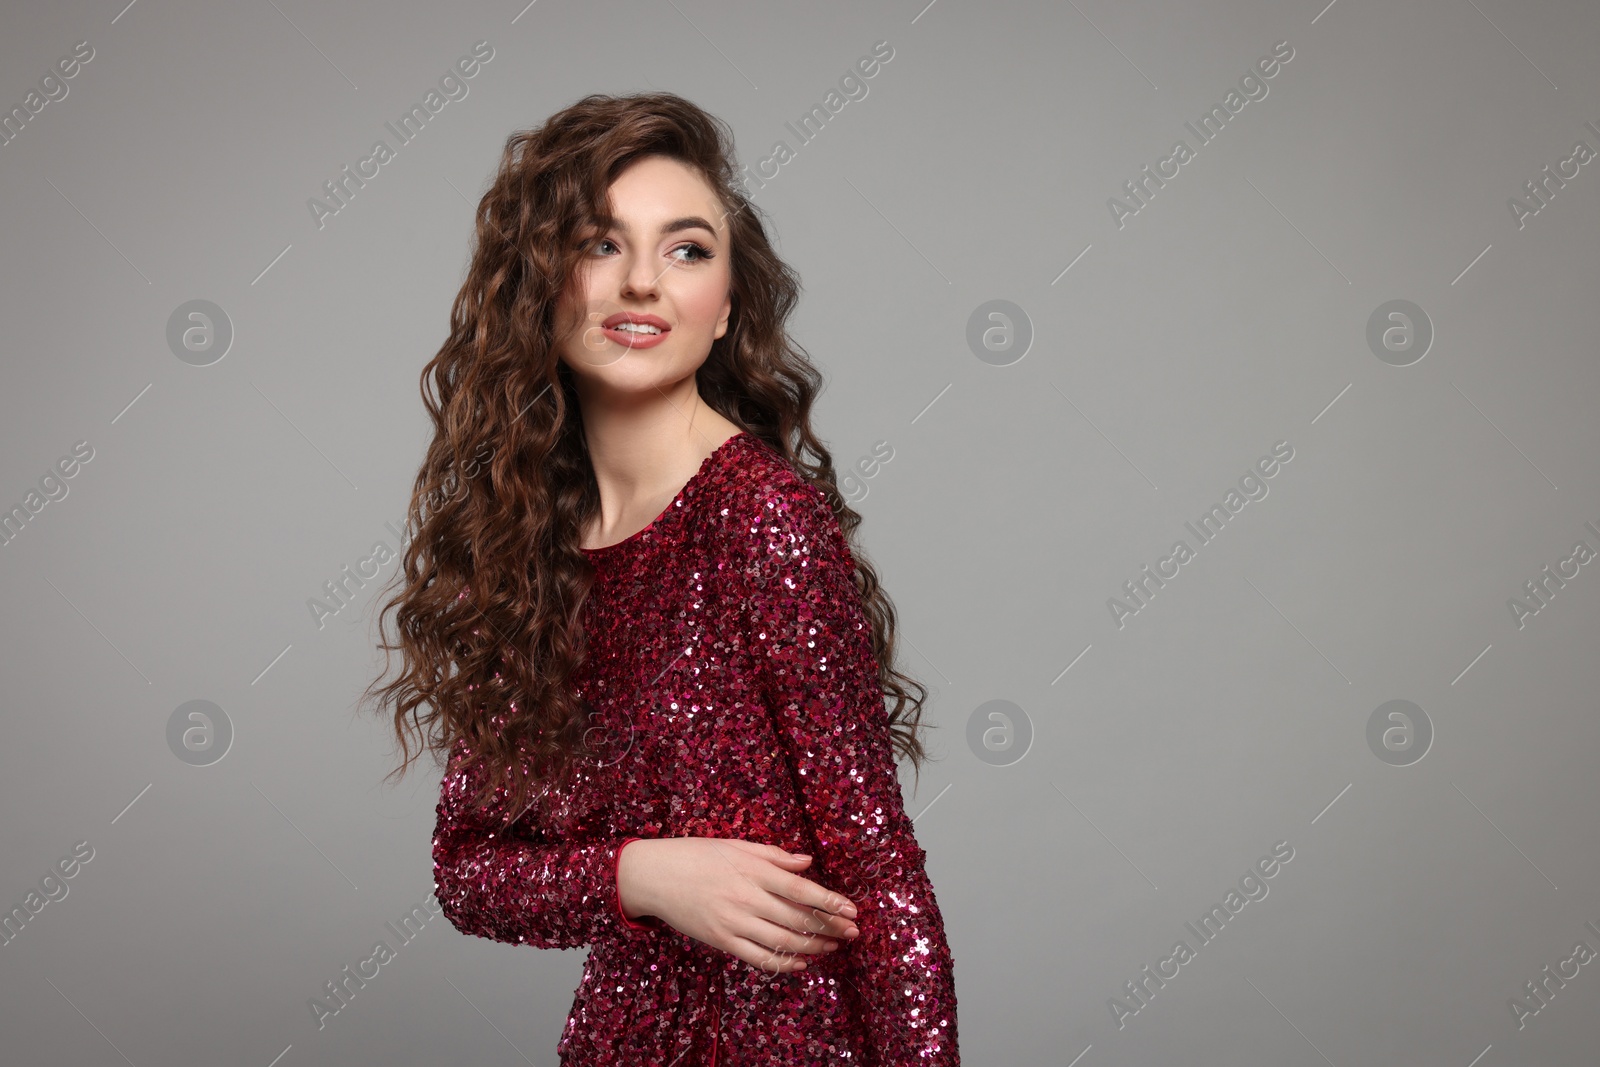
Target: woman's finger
[
  {"x": 759, "y": 955},
  {"x": 781, "y": 938},
  {"x": 771, "y": 853},
  {"x": 809, "y": 894},
  {"x": 811, "y": 920}
]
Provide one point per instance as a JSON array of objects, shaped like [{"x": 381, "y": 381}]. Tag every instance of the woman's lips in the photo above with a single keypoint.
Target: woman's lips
[{"x": 631, "y": 339}]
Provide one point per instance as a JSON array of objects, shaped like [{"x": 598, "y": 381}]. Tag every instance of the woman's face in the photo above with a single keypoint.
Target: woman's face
[{"x": 665, "y": 264}]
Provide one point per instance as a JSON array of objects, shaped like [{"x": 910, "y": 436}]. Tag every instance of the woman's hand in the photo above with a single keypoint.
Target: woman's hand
[{"x": 734, "y": 895}]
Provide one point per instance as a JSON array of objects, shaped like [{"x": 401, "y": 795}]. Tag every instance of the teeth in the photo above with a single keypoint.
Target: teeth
[{"x": 636, "y": 327}]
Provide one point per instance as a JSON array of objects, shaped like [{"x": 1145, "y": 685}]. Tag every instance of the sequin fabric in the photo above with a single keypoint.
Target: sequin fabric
[{"x": 736, "y": 695}]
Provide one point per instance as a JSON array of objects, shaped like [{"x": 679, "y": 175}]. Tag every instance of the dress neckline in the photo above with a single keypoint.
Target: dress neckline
[{"x": 655, "y": 524}]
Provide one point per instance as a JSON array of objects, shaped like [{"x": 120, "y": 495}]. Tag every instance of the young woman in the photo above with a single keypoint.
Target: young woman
[{"x": 654, "y": 661}]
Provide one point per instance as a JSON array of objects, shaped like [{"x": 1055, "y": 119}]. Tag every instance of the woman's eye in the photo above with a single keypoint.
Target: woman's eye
[
  {"x": 701, "y": 252},
  {"x": 690, "y": 253}
]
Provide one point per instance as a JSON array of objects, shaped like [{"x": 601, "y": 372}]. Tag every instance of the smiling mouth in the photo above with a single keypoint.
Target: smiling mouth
[{"x": 635, "y": 335}]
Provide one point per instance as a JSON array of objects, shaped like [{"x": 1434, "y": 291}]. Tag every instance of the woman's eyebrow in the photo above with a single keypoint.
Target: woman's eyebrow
[{"x": 688, "y": 222}]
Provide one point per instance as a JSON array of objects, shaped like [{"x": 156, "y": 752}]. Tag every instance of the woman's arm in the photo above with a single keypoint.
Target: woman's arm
[
  {"x": 813, "y": 645},
  {"x": 506, "y": 885}
]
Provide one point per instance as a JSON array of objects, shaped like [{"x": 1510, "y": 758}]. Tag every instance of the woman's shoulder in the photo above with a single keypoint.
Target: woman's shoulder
[
  {"x": 760, "y": 484},
  {"x": 765, "y": 504}
]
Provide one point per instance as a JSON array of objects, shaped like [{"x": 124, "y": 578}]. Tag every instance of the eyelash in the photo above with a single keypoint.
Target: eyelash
[
  {"x": 702, "y": 252},
  {"x": 705, "y": 253}
]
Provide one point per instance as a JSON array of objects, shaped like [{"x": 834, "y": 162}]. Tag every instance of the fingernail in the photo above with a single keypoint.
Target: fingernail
[
  {"x": 800, "y": 855},
  {"x": 852, "y": 932},
  {"x": 849, "y": 911}
]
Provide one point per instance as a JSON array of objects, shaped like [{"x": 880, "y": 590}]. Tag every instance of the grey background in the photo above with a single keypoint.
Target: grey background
[{"x": 1230, "y": 313}]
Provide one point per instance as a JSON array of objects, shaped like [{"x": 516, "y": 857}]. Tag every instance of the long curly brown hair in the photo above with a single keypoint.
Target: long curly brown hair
[{"x": 488, "y": 619}]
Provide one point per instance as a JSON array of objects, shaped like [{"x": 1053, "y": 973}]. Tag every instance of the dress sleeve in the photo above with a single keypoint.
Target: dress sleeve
[
  {"x": 512, "y": 884},
  {"x": 819, "y": 675}
]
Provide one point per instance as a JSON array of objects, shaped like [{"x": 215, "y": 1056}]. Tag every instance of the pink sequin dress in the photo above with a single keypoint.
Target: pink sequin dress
[{"x": 736, "y": 695}]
